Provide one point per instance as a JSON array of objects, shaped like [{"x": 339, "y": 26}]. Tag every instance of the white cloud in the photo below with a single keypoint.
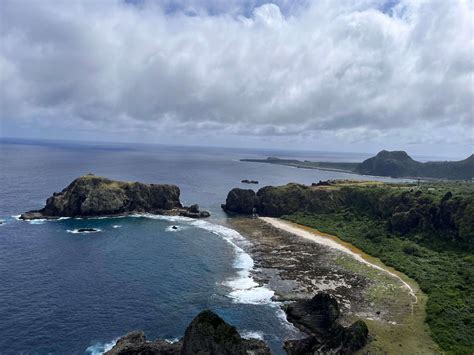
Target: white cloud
[{"x": 340, "y": 68}]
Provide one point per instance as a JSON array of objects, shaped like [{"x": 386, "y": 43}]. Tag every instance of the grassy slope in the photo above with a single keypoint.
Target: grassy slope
[{"x": 446, "y": 275}]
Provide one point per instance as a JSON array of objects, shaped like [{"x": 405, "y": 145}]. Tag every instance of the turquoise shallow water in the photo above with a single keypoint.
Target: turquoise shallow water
[{"x": 64, "y": 292}]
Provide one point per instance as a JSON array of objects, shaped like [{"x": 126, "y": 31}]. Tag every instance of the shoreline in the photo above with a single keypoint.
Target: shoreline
[
  {"x": 297, "y": 262},
  {"x": 336, "y": 243}
]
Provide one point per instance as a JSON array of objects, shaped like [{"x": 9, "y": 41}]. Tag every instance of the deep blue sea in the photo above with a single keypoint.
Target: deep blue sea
[{"x": 64, "y": 292}]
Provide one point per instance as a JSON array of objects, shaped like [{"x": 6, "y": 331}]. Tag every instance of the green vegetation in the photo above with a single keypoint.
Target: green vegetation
[
  {"x": 385, "y": 163},
  {"x": 426, "y": 233}
]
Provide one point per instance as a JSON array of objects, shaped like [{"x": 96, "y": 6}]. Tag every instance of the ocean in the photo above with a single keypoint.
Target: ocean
[{"x": 76, "y": 293}]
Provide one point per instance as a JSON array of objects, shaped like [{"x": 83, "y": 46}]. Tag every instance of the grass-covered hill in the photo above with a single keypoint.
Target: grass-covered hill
[
  {"x": 426, "y": 232},
  {"x": 386, "y": 163},
  {"x": 400, "y": 164}
]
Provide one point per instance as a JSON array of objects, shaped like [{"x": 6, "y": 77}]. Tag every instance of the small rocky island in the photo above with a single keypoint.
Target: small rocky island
[{"x": 93, "y": 196}]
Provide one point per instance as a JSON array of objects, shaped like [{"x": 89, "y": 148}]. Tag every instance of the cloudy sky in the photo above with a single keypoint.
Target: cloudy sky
[{"x": 321, "y": 75}]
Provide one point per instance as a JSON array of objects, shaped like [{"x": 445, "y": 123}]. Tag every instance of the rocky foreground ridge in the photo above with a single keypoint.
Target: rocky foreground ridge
[
  {"x": 93, "y": 196},
  {"x": 318, "y": 317},
  {"x": 210, "y": 334},
  {"x": 207, "y": 334}
]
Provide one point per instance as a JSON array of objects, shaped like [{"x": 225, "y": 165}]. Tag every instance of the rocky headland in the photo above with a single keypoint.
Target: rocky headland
[
  {"x": 207, "y": 334},
  {"x": 405, "y": 208},
  {"x": 94, "y": 196}
]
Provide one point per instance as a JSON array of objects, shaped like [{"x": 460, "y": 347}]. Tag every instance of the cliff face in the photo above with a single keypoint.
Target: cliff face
[
  {"x": 275, "y": 201},
  {"x": 404, "y": 211},
  {"x": 90, "y": 196},
  {"x": 207, "y": 334}
]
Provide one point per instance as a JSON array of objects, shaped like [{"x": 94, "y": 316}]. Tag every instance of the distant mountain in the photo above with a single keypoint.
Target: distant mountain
[
  {"x": 389, "y": 163},
  {"x": 400, "y": 164}
]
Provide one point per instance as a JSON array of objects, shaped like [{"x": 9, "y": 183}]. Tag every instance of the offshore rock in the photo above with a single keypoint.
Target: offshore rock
[
  {"x": 207, "y": 334},
  {"x": 93, "y": 196}
]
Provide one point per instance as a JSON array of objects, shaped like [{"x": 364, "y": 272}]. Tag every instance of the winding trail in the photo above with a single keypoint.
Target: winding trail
[{"x": 311, "y": 234}]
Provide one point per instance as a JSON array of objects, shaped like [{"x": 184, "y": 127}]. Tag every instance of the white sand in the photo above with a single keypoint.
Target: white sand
[{"x": 317, "y": 238}]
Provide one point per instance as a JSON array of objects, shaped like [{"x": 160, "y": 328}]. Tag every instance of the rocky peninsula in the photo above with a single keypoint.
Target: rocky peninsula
[{"x": 95, "y": 196}]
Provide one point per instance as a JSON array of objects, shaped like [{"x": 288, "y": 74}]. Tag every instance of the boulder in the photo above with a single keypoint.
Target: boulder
[
  {"x": 210, "y": 334},
  {"x": 135, "y": 343},
  {"x": 318, "y": 317}
]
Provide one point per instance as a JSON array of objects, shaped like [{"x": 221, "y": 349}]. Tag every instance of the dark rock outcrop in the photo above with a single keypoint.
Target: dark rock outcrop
[
  {"x": 210, "y": 334},
  {"x": 87, "y": 230},
  {"x": 207, "y": 334},
  {"x": 91, "y": 196},
  {"x": 318, "y": 317},
  {"x": 135, "y": 343},
  {"x": 240, "y": 201},
  {"x": 276, "y": 201},
  {"x": 246, "y": 181}
]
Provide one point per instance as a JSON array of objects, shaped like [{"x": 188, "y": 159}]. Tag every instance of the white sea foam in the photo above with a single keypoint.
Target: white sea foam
[
  {"x": 281, "y": 315},
  {"x": 17, "y": 217},
  {"x": 37, "y": 221},
  {"x": 100, "y": 348},
  {"x": 244, "y": 288},
  {"x": 248, "y": 334},
  {"x": 172, "y": 340},
  {"x": 174, "y": 228},
  {"x": 116, "y": 226},
  {"x": 76, "y": 231}
]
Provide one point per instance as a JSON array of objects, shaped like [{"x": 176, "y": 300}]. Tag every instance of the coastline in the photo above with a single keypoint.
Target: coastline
[
  {"x": 297, "y": 262},
  {"x": 336, "y": 243}
]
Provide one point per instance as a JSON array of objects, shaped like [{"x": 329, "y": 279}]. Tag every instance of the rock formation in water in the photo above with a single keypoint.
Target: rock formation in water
[
  {"x": 92, "y": 196},
  {"x": 207, "y": 334},
  {"x": 318, "y": 317}
]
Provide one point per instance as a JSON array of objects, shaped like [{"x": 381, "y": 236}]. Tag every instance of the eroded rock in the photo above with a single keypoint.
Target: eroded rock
[{"x": 207, "y": 334}]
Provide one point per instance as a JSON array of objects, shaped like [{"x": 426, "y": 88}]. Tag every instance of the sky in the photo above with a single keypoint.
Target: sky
[{"x": 356, "y": 76}]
